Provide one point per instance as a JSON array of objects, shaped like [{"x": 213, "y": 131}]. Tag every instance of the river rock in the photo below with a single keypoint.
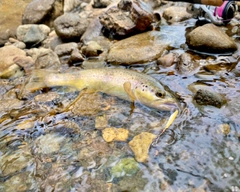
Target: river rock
[
  {"x": 101, "y": 3},
  {"x": 70, "y": 26},
  {"x": 210, "y": 38},
  {"x": 206, "y": 97},
  {"x": 50, "y": 143},
  {"x": 10, "y": 19},
  {"x": 14, "y": 163},
  {"x": 26, "y": 62},
  {"x": 91, "y": 49},
  {"x": 44, "y": 58},
  {"x": 93, "y": 30},
  {"x": 32, "y": 34},
  {"x": 37, "y": 11},
  {"x": 65, "y": 49},
  {"x": 140, "y": 145},
  {"x": 75, "y": 57},
  {"x": 187, "y": 64},
  {"x": 115, "y": 134},
  {"x": 168, "y": 59},
  {"x": 128, "y": 17},
  {"x": 125, "y": 167},
  {"x": 7, "y": 65},
  {"x": 137, "y": 49},
  {"x": 20, "y": 182},
  {"x": 176, "y": 14}
]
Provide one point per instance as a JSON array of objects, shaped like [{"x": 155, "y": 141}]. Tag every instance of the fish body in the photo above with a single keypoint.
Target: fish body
[{"x": 123, "y": 83}]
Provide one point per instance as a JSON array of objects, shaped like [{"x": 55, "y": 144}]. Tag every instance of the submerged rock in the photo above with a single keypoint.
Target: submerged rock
[
  {"x": 115, "y": 134},
  {"x": 140, "y": 145},
  {"x": 187, "y": 64},
  {"x": 137, "y": 49},
  {"x": 130, "y": 16},
  {"x": 168, "y": 59},
  {"x": 125, "y": 167},
  {"x": 210, "y": 38},
  {"x": 14, "y": 163},
  {"x": 205, "y": 97},
  {"x": 50, "y": 143}
]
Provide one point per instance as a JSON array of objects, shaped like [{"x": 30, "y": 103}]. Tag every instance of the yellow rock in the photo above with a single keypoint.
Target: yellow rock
[
  {"x": 115, "y": 134},
  {"x": 140, "y": 145}
]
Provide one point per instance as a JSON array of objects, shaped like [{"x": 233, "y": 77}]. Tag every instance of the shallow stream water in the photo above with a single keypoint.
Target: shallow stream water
[{"x": 49, "y": 144}]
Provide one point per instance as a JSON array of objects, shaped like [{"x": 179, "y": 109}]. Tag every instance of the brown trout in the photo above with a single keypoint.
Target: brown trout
[{"x": 123, "y": 83}]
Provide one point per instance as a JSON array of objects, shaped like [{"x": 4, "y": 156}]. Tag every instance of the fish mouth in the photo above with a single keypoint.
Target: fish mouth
[{"x": 169, "y": 105}]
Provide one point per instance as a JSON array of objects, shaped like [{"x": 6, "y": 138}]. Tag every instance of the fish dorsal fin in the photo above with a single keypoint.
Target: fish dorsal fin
[{"x": 128, "y": 88}]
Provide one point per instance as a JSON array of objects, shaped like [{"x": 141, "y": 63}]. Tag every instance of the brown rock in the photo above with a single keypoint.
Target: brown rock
[
  {"x": 210, "y": 38},
  {"x": 10, "y": 19},
  {"x": 137, "y": 49},
  {"x": 130, "y": 16}
]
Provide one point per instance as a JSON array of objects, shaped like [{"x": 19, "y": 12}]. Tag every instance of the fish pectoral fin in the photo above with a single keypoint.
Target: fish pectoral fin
[{"x": 128, "y": 88}]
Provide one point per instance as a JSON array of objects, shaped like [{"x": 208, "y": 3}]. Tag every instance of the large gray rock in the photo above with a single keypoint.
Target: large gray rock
[
  {"x": 32, "y": 34},
  {"x": 10, "y": 18},
  {"x": 137, "y": 49},
  {"x": 70, "y": 26},
  {"x": 37, "y": 11},
  {"x": 210, "y": 38},
  {"x": 128, "y": 17}
]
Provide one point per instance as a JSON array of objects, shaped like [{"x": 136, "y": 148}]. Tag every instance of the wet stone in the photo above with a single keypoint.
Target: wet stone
[
  {"x": 21, "y": 182},
  {"x": 224, "y": 129},
  {"x": 210, "y": 38},
  {"x": 125, "y": 167},
  {"x": 187, "y": 65},
  {"x": 140, "y": 145},
  {"x": 137, "y": 49},
  {"x": 168, "y": 59},
  {"x": 50, "y": 143},
  {"x": 206, "y": 97},
  {"x": 13, "y": 163},
  {"x": 101, "y": 122},
  {"x": 115, "y": 134}
]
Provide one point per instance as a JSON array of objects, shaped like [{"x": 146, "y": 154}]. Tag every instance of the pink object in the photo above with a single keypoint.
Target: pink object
[{"x": 219, "y": 10}]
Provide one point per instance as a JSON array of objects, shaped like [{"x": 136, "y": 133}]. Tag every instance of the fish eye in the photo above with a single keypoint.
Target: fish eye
[{"x": 159, "y": 94}]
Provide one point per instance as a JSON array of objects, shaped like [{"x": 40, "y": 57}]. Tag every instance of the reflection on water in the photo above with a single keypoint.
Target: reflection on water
[{"x": 48, "y": 143}]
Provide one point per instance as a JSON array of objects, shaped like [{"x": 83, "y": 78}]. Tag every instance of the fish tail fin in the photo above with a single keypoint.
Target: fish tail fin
[{"x": 37, "y": 80}]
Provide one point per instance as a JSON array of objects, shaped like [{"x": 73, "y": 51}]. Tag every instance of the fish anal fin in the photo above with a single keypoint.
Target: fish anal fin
[{"x": 128, "y": 88}]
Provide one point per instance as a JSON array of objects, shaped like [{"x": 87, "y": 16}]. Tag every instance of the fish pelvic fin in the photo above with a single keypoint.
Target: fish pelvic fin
[{"x": 128, "y": 89}]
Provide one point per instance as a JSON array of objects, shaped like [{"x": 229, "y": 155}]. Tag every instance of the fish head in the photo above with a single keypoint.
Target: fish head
[{"x": 156, "y": 98}]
